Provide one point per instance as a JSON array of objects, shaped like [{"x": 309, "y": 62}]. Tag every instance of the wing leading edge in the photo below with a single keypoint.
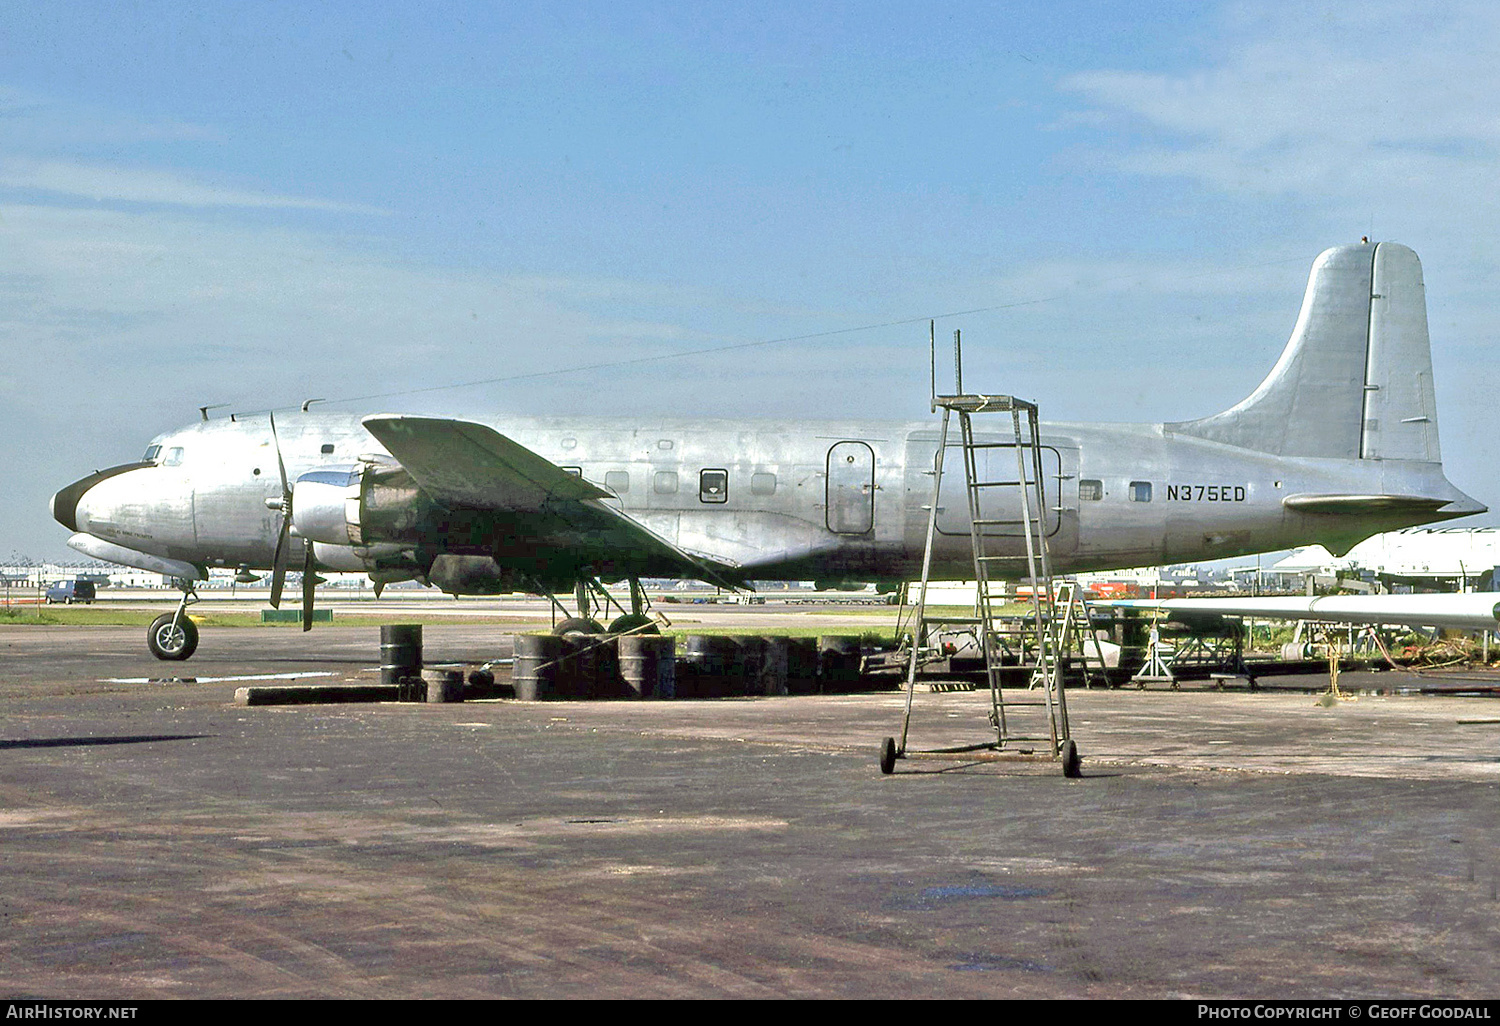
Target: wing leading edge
[{"x": 464, "y": 465}]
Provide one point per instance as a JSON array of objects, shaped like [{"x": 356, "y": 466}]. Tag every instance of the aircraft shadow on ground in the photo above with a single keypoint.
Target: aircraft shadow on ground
[{"x": 70, "y": 742}]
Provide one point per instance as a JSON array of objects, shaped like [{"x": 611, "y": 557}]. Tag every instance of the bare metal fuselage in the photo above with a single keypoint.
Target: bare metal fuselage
[
  {"x": 845, "y": 499},
  {"x": 1339, "y": 442}
]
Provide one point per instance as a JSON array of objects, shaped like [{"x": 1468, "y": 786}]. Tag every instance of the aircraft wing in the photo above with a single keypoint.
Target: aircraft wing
[
  {"x": 1470, "y": 611},
  {"x": 461, "y": 464}
]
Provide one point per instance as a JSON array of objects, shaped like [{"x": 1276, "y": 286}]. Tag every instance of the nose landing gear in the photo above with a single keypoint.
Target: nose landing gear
[{"x": 173, "y": 636}]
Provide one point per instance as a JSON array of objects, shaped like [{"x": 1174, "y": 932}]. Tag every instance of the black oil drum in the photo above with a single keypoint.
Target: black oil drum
[
  {"x": 400, "y": 652},
  {"x": 537, "y": 667},
  {"x": 838, "y": 662},
  {"x": 714, "y": 665},
  {"x": 647, "y": 665},
  {"x": 802, "y": 666},
  {"x": 775, "y": 653}
]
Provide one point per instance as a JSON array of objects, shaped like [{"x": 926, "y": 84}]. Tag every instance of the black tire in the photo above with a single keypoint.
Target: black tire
[
  {"x": 1072, "y": 763},
  {"x": 633, "y": 623},
  {"x": 173, "y": 646},
  {"x": 578, "y": 625},
  {"x": 888, "y": 756}
]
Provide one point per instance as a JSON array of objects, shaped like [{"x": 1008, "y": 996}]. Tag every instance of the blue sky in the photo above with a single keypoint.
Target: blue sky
[{"x": 254, "y": 204}]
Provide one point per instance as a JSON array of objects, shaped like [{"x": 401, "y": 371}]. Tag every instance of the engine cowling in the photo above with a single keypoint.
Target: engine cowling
[
  {"x": 360, "y": 505},
  {"x": 380, "y": 558}
]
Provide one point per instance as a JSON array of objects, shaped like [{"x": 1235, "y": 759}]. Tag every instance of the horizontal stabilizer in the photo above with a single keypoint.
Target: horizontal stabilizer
[
  {"x": 1470, "y": 611},
  {"x": 460, "y": 463},
  {"x": 1363, "y": 503}
]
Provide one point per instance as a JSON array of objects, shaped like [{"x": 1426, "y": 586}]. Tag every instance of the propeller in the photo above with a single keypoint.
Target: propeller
[
  {"x": 283, "y": 539},
  {"x": 310, "y": 578}
]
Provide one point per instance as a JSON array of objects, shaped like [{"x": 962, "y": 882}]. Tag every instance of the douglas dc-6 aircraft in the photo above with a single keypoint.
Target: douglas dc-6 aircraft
[{"x": 1339, "y": 442}]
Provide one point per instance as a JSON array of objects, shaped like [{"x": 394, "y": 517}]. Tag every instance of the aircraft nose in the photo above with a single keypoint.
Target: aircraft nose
[{"x": 67, "y": 501}]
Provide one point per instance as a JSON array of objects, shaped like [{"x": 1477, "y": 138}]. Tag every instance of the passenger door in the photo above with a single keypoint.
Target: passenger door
[{"x": 851, "y": 488}]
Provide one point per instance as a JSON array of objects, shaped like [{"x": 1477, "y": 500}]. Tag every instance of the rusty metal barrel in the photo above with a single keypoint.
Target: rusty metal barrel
[
  {"x": 590, "y": 668},
  {"x": 771, "y": 674},
  {"x": 838, "y": 662},
  {"x": 537, "y": 667},
  {"x": 607, "y": 680},
  {"x": 647, "y": 665},
  {"x": 802, "y": 666},
  {"x": 744, "y": 678},
  {"x": 711, "y": 662},
  {"x": 400, "y": 652}
]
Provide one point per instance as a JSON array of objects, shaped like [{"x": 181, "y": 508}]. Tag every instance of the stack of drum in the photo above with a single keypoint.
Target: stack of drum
[{"x": 576, "y": 666}]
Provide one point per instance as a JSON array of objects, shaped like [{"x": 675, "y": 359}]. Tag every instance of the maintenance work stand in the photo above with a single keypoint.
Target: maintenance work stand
[{"x": 1002, "y": 510}]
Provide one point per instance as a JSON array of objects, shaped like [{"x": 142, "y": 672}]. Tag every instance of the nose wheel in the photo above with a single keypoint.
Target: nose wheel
[{"x": 173, "y": 636}]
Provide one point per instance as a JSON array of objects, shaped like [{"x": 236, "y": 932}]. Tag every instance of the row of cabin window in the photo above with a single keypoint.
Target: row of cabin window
[
  {"x": 173, "y": 457},
  {"x": 713, "y": 483},
  {"x": 1091, "y": 490}
]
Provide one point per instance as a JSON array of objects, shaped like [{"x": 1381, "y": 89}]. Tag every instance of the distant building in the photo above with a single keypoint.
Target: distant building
[{"x": 1448, "y": 558}]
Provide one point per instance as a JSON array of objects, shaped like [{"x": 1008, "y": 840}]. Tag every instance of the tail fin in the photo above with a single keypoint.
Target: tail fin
[{"x": 1355, "y": 380}]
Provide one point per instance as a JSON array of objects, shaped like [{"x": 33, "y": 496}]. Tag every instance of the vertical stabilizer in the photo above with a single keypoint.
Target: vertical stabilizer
[{"x": 1355, "y": 380}]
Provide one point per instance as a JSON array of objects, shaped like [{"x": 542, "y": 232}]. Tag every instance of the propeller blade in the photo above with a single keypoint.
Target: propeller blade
[
  {"x": 278, "y": 565},
  {"x": 309, "y": 582},
  {"x": 283, "y": 549},
  {"x": 286, "y": 488}
]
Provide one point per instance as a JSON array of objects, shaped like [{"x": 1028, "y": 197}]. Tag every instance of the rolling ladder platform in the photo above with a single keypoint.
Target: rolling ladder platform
[{"x": 1036, "y": 726}]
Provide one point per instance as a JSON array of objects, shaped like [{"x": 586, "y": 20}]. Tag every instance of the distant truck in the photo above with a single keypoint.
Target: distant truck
[{"x": 69, "y": 592}]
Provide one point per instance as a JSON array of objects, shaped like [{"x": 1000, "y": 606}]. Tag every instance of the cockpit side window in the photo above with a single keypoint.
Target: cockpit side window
[{"x": 174, "y": 457}]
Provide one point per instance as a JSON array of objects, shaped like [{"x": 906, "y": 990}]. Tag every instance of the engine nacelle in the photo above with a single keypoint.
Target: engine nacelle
[
  {"x": 361, "y": 505},
  {"x": 379, "y": 558}
]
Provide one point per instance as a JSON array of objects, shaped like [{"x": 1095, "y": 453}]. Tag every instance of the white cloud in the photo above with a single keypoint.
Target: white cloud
[
  {"x": 139, "y": 185},
  {"x": 1388, "y": 104},
  {"x": 32, "y": 121}
]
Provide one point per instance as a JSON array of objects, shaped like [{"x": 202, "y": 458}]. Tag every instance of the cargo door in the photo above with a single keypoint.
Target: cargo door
[{"x": 997, "y": 464}]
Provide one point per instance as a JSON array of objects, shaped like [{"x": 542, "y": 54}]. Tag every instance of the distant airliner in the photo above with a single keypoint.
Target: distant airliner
[{"x": 1339, "y": 442}]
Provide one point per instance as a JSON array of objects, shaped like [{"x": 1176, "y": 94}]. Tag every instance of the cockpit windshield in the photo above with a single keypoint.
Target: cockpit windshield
[{"x": 152, "y": 451}]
